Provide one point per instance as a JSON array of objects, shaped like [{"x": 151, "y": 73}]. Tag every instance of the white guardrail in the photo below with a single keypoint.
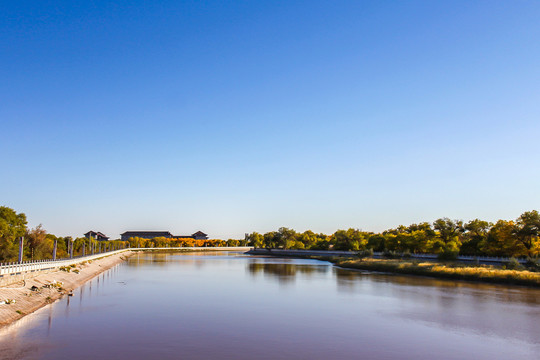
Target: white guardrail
[{"x": 29, "y": 266}]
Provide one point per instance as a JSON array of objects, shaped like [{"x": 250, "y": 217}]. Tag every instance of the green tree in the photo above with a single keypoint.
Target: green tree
[
  {"x": 233, "y": 242},
  {"x": 308, "y": 238},
  {"x": 270, "y": 240},
  {"x": 415, "y": 241},
  {"x": 322, "y": 243},
  {"x": 448, "y": 232},
  {"x": 12, "y": 226},
  {"x": 527, "y": 230},
  {"x": 351, "y": 239},
  {"x": 474, "y": 237},
  {"x": 501, "y": 241},
  {"x": 285, "y": 238},
  {"x": 255, "y": 239},
  {"x": 377, "y": 242},
  {"x": 61, "y": 250},
  {"x": 391, "y": 240},
  {"x": 425, "y": 227},
  {"x": 38, "y": 245}
]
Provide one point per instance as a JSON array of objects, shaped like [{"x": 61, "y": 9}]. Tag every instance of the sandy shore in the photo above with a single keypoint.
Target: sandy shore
[{"x": 28, "y": 301}]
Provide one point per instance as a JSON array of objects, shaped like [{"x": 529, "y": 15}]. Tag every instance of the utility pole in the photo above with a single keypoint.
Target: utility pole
[
  {"x": 54, "y": 249},
  {"x": 21, "y": 249}
]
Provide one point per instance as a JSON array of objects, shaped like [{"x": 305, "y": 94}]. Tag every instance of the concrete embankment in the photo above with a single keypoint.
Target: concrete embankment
[
  {"x": 49, "y": 285},
  {"x": 300, "y": 253}
]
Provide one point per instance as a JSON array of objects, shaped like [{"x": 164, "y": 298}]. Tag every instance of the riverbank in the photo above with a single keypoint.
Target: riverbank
[
  {"x": 21, "y": 300},
  {"x": 444, "y": 270},
  {"x": 454, "y": 271}
]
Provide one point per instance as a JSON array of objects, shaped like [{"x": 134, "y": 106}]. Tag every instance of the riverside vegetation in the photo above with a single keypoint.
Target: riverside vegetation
[
  {"x": 38, "y": 244},
  {"x": 519, "y": 238},
  {"x": 511, "y": 272},
  {"x": 445, "y": 237},
  {"x": 449, "y": 238}
]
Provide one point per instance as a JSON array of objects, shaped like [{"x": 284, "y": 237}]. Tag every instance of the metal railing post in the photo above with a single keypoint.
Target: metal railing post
[
  {"x": 21, "y": 249},
  {"x": 54, "y": 249}
]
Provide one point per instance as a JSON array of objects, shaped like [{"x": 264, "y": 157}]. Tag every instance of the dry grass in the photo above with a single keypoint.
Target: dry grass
[{"x": 484, "y": 273}]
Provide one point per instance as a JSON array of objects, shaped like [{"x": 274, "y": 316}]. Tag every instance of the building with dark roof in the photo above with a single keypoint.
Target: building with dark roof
[
  {"x": 96, "y": 235},
  {"x": 199, "y": 235},
  {"x": 145, "y": 234}
]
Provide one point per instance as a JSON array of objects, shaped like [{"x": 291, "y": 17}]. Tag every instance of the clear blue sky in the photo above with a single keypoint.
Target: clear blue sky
[{"x": 239, "y": 116}]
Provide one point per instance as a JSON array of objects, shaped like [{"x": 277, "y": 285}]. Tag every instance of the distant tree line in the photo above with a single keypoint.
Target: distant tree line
[
  {"x": 163, "y": 242},
  {"x": 476, "y": 237}
]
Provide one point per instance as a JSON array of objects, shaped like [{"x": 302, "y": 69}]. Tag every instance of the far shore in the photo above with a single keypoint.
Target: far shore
[
  {"x": 444, "y": 270},
  {"x": 447, "y": 270}
]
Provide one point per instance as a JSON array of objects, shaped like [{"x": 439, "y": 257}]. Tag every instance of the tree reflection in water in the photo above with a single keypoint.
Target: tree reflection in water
[
  {"x": 285, "y": 271},
  {"x": 351, "y": 280}
]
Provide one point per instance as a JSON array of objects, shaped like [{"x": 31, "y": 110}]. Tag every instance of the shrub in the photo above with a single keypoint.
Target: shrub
[
  {"x": 448, "y": 255},
  {"x": 513, "y": 264},
  {"x": 389, "y": 254},
  {"x": 533, "y": 264},
  {"x": 365, "y": 253}
]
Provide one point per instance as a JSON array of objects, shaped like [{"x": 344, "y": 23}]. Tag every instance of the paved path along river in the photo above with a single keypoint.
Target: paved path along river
[{"x": 232, "y": 306}]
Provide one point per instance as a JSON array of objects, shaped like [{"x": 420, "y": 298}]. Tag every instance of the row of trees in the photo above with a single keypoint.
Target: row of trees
[
  {"x": 38, "y": 244},
  {"x": 476, "y": 237}
]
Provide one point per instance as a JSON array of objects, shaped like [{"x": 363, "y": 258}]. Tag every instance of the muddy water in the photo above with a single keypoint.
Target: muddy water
[{"x": 231, "y": 306}]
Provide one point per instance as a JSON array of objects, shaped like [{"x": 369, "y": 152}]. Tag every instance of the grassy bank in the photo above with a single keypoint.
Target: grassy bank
[{"x": 455, "y": 271}]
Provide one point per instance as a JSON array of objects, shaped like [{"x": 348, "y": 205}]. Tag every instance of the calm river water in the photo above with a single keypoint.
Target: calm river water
[{"x": 231, "y": 306}]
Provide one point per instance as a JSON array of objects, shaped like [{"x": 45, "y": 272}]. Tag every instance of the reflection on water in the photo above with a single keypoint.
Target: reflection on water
[
  {"x": 286, "y": 270},
  {"x": 349, "y": 279},
  {"x": 480, "y": 308},
  {"x": 231, "y": 306}
]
